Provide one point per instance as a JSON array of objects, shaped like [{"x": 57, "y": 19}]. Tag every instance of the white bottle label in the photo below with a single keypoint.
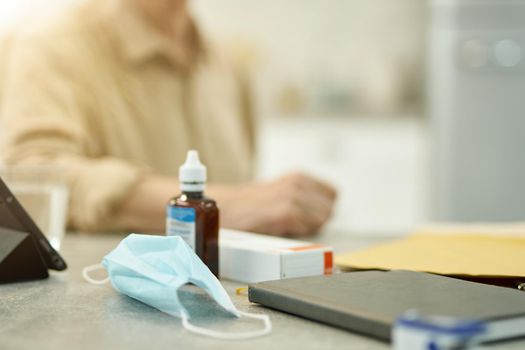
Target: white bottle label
[{"x": 181, "y": 222}]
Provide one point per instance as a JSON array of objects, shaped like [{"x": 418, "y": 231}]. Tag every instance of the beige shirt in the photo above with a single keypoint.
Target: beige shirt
[{"x": 100, "y": 93}]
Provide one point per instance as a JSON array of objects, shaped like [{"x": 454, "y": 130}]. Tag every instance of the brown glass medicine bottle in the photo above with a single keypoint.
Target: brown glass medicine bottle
[{"x": 193, "y": 216}]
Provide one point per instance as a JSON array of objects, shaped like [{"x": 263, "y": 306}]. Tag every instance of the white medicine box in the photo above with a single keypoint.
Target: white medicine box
[{"x": 251, "y": 258}]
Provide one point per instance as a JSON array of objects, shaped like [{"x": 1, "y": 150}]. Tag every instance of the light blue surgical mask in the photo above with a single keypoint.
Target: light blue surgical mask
[{"x": 152, "y": 269}]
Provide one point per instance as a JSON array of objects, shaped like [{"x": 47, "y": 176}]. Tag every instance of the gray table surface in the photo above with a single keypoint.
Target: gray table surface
[{"x": 65, "y": 312}]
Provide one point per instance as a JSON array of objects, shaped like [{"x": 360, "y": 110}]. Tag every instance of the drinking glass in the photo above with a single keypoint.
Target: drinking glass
[{"x": 43, "y": 192}]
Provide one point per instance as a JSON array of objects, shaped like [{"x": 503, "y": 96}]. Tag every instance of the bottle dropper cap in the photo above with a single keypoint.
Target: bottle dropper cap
[{"x": 192, "y": 174}]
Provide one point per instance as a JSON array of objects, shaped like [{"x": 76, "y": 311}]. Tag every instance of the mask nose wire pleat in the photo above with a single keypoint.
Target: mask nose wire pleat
[
  {"x": 86, "y": 270},
  {"x": 230, "y": 336}
]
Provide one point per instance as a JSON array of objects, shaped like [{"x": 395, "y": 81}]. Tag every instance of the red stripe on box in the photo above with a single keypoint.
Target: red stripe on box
[
  {"x": 307, "y": 247},
  {"x": 328, "y": 263}
]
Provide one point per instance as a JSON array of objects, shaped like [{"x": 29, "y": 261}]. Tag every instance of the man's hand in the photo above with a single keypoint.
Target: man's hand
[{"x": 292, "y": 205}]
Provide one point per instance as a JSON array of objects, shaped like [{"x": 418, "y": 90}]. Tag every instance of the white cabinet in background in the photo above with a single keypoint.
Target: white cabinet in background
[{"x": 377, "y": 166}]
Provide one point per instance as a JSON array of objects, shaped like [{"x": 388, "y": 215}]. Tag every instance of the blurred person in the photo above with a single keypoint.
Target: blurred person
[{"x": 114, "y": 92}]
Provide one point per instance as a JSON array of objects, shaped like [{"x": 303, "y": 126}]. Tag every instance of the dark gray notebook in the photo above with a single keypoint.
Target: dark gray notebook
[{"x": 369, "y": 302}]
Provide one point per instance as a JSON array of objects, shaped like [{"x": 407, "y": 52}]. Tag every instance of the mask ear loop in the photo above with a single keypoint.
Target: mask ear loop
[
  {"x": 86, "y": 270},
  {"x": 185, "y": 319},
  {"x": 230, "y": 336}
]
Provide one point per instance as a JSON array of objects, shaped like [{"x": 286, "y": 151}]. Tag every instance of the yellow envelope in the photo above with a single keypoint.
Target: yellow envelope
[{"x": 477, "y": 255}]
